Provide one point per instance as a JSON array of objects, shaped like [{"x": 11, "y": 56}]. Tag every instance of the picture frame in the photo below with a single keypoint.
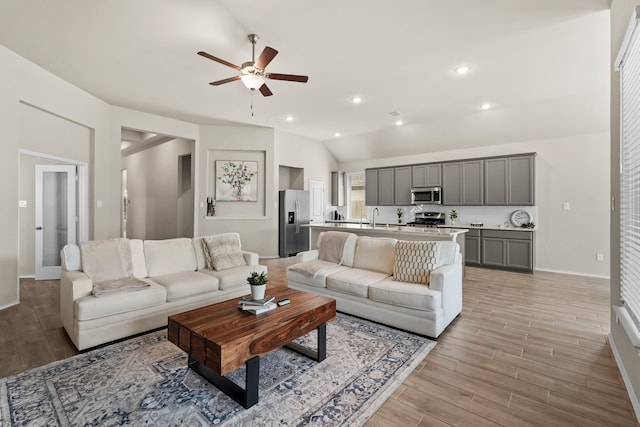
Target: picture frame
[{"x": 236, "y": 181}]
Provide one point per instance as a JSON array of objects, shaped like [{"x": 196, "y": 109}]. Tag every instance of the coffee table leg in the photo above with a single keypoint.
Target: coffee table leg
[
  {"x": 318, "y": 355},
  {"x": 247, "y": 396}
]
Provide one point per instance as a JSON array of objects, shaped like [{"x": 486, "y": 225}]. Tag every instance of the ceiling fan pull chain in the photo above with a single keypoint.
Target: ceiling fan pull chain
[{"x": 252, "y": 91}]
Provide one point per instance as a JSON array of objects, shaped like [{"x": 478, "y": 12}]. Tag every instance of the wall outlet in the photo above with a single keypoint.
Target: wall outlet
[
  {"x": 566, "y": 206},
  {"x": 22, "y": 203},
  {"x": 599, "y": 257}
]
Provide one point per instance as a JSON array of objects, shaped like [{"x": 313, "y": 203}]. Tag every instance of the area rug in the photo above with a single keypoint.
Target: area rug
[{"x": 145, "y": 381}]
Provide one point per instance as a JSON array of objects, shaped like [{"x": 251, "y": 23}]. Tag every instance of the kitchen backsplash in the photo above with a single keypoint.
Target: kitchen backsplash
[{"x": 487, "y": 215}]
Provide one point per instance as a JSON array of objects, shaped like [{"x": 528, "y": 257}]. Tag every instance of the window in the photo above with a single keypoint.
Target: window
[
  {"x": 355, "y": 195},
  {"x": 629, "y": 65}
]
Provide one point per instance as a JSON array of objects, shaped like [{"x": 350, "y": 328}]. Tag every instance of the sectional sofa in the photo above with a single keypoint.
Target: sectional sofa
[
  {"x": 416, "y": 286},
  {"x": 111, "y": 289}
]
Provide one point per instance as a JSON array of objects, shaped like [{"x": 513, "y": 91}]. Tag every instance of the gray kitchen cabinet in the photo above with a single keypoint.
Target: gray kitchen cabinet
[
  {"x": 386, "y": 187},
  {"x": 427, "y": 175},
  {"x": 472, "y": 247},
  {"x": 462, "y": 183},
  {"x": 337, "y": 189},
  {"x": 402, "y": 186},
  {"x": 509, "y": 181},
  {"x": 512, "y": 250},
  {"x": 371, "y": 187}
]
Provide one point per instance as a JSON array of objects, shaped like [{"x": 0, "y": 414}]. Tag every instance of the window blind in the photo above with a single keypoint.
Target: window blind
[{"x": 629, "y": 66}]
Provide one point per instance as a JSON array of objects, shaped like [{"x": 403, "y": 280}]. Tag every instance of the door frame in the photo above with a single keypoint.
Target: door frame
[
  {"x": 82, "y": 195},
  {"x": 319, "y": 184}
]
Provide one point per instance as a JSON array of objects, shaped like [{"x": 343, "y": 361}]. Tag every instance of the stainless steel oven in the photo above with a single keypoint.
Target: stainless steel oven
[{"x": 426, "y": 196}]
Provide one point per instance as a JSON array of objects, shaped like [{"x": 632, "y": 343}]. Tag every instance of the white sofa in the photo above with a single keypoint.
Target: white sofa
[
  {"x": 362, "y": 282},
  {"x": 173, "y": 278}
]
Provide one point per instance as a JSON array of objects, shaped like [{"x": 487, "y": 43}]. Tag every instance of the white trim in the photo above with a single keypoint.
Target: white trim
[
  {"x": 624, "y": 318},
  {"x": 50, "y": 157},
  {"x": 627, "y": 38},
  {"x": 83, "y": 203},
  {"x": 573, "y": 273},
  {"x": 10, "y": 304},
  {"x": 26, "y": 276},
  {"x": 625, "y": 377}
]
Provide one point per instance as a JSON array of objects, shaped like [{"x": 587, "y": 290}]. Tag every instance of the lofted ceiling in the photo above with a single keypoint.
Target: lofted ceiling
[{"x": 544, "y": 65}]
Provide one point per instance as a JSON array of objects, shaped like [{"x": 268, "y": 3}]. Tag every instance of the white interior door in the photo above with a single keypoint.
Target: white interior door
[
  {"x": 316, "y": 193},
  {"x": 56, "y": 217}
]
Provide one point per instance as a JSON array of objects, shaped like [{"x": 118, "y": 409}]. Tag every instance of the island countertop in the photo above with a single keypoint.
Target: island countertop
[{"x": 422, "y": 233}]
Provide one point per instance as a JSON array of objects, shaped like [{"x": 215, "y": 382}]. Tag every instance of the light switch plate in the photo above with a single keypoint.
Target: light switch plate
[
  {"x": 22, "y": 203},
  {"x": 565, "y": 206}
]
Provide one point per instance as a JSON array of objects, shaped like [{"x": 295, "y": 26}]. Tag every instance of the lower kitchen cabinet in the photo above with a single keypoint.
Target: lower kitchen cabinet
[{"x": 507, "y": 249}]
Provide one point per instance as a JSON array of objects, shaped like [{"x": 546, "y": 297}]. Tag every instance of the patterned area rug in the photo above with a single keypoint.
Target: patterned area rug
[{"x": 145, "y": 381}]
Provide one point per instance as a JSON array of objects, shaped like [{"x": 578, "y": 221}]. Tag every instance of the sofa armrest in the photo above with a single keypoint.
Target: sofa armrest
[
  {"x": 448, "y": 280},
  {"x": 304, "y": 256},
  {"x": 251, "y": 258},
  {"x": 73, "y": 285}
]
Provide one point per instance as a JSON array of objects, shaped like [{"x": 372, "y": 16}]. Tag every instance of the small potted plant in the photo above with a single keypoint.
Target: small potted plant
[
  {"x": 453, "y": 215},
  {"x": 258, "y": 284},
  {"x": 399, "y": 212}
]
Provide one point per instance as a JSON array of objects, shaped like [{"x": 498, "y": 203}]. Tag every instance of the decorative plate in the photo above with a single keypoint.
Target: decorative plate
[{"x": 520, "y": 217}]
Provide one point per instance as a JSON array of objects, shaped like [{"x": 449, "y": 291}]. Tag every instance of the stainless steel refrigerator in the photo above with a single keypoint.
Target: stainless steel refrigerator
[{"x": 294, "y": 211}]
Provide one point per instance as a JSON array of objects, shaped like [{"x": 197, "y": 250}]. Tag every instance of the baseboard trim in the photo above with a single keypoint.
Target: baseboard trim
[
  {"x": 625, "y": 377},
  {"x": 573, "y": 273},
  {"x": 27, "y": 276},
  {"x": 10, "y": 304}
]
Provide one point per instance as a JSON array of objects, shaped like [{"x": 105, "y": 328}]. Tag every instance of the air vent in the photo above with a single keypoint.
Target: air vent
[{"x": 394, "y": 113}]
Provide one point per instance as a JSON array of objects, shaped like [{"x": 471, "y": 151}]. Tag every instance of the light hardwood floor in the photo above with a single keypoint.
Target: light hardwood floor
[{"x": 527, "y": 350}]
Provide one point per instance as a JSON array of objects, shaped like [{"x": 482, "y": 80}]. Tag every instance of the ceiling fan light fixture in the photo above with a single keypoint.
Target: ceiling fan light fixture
[{"x": 252, "y": 81}]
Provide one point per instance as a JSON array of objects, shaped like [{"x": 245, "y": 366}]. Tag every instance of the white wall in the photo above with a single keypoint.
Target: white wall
[
  {"x": 152, "y": 177},
  {"x": 572, "y": 169}
]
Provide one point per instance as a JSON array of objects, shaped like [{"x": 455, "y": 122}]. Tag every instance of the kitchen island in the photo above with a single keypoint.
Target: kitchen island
[{"x": 400, "y": 232}]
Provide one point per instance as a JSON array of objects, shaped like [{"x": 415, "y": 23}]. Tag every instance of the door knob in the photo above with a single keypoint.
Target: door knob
[{"x": 39, "y": 228}]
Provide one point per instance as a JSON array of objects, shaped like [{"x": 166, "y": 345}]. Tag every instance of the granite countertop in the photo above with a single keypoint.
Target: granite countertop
[
  {"x": 391, "y": 229},
  {"x": 489, "y": 227}
]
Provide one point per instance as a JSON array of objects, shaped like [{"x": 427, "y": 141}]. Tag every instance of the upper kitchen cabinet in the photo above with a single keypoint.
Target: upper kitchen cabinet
[
  {"x": 509, "y": 181},
  {"x": 462, "y": 183},
  {"x": 337, "y": 189},
  {"x": 371, "y": 187},
  {"x": 402, "y": 185},
  {"x": 427, "y": 175},
  {"x": 386, "y": 187}
]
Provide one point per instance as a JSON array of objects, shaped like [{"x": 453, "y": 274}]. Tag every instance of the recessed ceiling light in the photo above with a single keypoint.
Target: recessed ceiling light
[
  {"x": 356, "y": 99},
  {"x": 462, "y": 70},
  {"x": 485, "y": 106},
  {"x": 337, "y": 134},
  {"x": 399, "y": 122},
  {"x": 289, "y": 118}
]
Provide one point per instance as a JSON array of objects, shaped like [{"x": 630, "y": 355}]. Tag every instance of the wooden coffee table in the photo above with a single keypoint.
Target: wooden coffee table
[{"x": 220, "y": 338}]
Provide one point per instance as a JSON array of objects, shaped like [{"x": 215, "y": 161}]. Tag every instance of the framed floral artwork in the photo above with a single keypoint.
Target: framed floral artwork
[{"x": 236, "y": 181}]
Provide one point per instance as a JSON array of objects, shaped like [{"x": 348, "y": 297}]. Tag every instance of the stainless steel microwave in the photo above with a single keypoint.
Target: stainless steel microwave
[{"x": 426, "y": 196}]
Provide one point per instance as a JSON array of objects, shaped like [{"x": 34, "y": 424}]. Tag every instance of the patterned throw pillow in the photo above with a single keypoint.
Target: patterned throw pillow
[
  {"x": 415, "y": 260},
  {"x": 225, "y": 251},
  {"x": 207, "y": 256}
]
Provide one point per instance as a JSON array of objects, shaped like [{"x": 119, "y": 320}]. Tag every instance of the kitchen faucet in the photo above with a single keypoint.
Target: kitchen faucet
[{"x": 374, "y": 216}]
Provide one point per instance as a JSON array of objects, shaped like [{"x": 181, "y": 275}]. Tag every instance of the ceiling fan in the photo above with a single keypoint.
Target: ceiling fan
[{"x": 253, "y": 72}]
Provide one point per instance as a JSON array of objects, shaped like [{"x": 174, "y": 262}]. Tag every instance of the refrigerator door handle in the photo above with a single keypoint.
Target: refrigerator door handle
[{"x": 297, "y": 211}]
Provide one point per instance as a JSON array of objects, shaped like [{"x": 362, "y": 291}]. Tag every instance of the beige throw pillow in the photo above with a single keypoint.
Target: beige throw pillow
[
  {"x": 207, "y": 256},
  {"x": 225, "y": 251},
  {"x": 415, "y": 260}
]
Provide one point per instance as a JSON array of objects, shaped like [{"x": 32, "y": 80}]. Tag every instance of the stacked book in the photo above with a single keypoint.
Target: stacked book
[{"x": 257, "y": 306}]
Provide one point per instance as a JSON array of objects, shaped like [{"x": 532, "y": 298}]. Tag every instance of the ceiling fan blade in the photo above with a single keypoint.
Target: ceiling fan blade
[
  {"x": 266, "y": 56},
  {"x": 264, "y": 90},
  {"x": 221, "y": 82},
  {"x": 288, "y": 77},
  {"x": 221, "y": 61}
]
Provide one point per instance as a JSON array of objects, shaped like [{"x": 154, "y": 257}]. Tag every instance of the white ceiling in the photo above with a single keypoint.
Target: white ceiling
[{"x": 543, "y": 64}]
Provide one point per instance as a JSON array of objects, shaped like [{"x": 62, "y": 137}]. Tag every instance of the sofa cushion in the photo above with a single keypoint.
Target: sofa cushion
[
  {"x": 414, "y": 261},
  {"x": 186, "y": 284},
  {"x": 410, "y": 295},
  {"x": 107, "y": 259},
  {"x": 321, "y": 269},
  {"x": 225, "y": 251},
  {"x": 90, "y": 307},
  {"x": 375, "y": 253},
  {"x": 354, "y": 281},
  {"x": 138, "y": 259},
  {"x": 169, "y": 256},
  {"x": 234, "y": 277}
]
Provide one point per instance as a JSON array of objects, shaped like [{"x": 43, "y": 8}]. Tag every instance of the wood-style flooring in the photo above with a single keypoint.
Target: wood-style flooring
[{"x": 527, "y": 350}]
